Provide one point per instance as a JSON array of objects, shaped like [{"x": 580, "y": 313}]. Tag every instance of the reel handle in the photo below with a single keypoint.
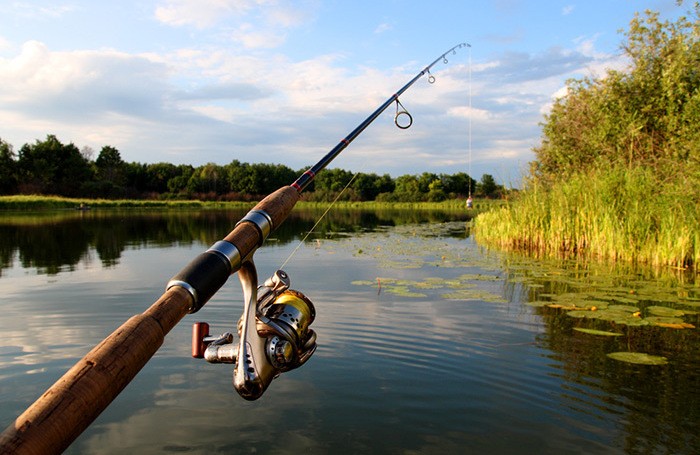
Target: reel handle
[{"x": 200, "y": 331}]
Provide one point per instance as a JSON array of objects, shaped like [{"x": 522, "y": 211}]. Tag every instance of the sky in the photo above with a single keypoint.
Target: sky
[{"x": 277, "y": 81}]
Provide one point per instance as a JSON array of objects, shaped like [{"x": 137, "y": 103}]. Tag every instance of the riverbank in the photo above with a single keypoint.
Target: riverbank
[
  {"x": 34, "y": 202},
  {"x": 628, "y": 215}
]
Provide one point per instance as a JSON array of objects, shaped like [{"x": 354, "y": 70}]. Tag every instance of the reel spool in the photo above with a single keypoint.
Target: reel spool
[
  {"x": 285, "y": 324},
  {"x": 276, "y": 340}
]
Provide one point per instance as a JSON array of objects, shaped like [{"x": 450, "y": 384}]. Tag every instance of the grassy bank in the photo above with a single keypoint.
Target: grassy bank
[
  {"x": 22, "y": 202},
  {"x": 613, "y": 214},
  {"x": 480, "y": 205},
  {"x": 33, "y": 202}
]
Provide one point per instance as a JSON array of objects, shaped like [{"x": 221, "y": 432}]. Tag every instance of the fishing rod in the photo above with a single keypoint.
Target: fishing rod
[
  {"x": 274, "y": 333},
  {"x": 306, "y": 178}
]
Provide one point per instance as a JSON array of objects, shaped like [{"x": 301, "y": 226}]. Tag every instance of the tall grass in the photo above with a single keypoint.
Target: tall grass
[{"x": 615, "y": 214}]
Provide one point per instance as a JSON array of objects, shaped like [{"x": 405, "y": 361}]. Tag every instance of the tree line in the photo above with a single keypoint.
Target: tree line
[{"x": 49, "y": 167}]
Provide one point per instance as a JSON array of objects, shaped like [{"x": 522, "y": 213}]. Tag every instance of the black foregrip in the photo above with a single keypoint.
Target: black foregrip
[{"x": 203, "y": 277}]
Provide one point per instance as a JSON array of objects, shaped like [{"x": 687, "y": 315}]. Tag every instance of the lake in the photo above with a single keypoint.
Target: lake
[{"x": 427, "y": 342}]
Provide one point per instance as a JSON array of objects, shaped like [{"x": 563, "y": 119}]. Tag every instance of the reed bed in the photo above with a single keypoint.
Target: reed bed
[{"x": 613, "y": 214}]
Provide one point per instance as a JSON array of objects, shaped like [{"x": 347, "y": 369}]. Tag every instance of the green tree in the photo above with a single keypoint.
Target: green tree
[
  {"x": 487, "y": 187},
  {"x": 267, "y": 178},
  {"x": 178, "y": 183},
  {"x": 385, "y": 184},
  {"x": 157, "y": 175},
  {"x": 647, "y": 115},
  {"x": 239, "y": 177},
  {"x": 111, "y": 173},
  {"x": 457, "y": 184},
  {"x": 367, "y": 186},
  {"x": 407, "y": 188},
  {"x": 110, "y": 165},
  {"x": 8, "y": 169},
  {"x": 50, "y": 167},
  {"x": 424, "y": 181},
  {"x": 436, "y": 193}
]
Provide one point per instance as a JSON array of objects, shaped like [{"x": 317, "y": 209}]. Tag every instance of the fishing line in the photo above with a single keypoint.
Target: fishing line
[
  {"x": 303, "y": 240},
  {"x": 469, "y": 53},
  {"x": 401, "y": 113}
]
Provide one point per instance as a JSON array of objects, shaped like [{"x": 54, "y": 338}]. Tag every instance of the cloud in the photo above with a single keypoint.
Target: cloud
[
  {"x": 4, "y": 43},
  {"x": 383, "y": 27},
  {"x": 252, "y": 37},
  {"x": 35, "y": 10},
  {"x": 568, "y": 9},
  {"x": 207, "y": 13},
  {"x": 214, "y": 101},
  {"x": 522, "y": 67},
  {"x": 224, "y": 91},
  {"x": 200, "y": 13},
  {"x": 79, "y": 84},
  {"x": 253, "y": 24}
]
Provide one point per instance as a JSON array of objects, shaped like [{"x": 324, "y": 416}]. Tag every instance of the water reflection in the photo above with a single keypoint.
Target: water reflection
[
  {"x": 656, "y": 405},
  {"x": 446, "y": 356},
  {"x": 56, "y": 241}
]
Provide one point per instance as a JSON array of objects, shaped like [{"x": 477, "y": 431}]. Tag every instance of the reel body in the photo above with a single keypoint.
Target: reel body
[{"x": 273, "y": 331}]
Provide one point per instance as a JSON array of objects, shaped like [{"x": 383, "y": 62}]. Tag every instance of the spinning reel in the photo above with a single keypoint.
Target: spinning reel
[{"x": 273, "y": 331}]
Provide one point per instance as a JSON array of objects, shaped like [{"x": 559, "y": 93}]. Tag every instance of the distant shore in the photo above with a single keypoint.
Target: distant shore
[{"x": 36, "y": 202}]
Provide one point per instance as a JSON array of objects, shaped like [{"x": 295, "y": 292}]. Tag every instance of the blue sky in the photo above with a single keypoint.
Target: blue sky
[{"x": 197, "y": 81}]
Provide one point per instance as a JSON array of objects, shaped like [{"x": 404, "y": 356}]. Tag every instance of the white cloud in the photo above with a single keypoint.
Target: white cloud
[
  {"x": 252, "y": 37},
  {"x": 200, "y": 13},
  {"x": 40, "y": 82},
  {"x": 469, "y": 112},
  {"x": 4, "y": 43},
  {"x": 214, "y": 102},
  {"x": 383, "y": 27},
  {"x": 568, "y": 9},
  {"x": 36, "y": 10},
  {"x": 207, "y": 13}
]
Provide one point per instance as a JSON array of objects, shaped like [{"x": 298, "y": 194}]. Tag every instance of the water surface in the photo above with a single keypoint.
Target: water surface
[{"x": 427, "y": 342}]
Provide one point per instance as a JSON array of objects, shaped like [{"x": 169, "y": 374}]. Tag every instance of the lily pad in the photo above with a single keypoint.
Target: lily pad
[
  {"x": 624, "y": 300},
  {"x": 623, "y": 308},
  {"x": 467, "y": 295},
  {"x": 478, "y": 277},
  {"x": 403, "y": 291},
  {"x": 584, "y": 314},
  {"x": 670, "y": 323},
  {"x": 638, "y": 358},
  {"x": 663, "y": 311},
  {"x": 598, "y": 332}
]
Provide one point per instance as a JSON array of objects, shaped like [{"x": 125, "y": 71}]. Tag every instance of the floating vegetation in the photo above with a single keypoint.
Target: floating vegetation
[
  {"x": 663, "y": 311},
  {"x": 413, "y": 247},
  {"x": 597, "y": 332},
  {"x": 583, "y": 314},
  {"x": 623, "y": 308},
  {"x": 475, "y": 294},
  {"x": 606, "y": 297},
  {"x": 638, "y": 358},
  {"x": 462, "y": 288},
  {"x": 669, "y": 322}
]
